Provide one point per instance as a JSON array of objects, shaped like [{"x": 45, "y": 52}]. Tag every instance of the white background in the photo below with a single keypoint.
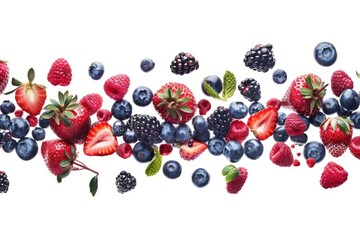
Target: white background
[{"x": 275, "y": 203}]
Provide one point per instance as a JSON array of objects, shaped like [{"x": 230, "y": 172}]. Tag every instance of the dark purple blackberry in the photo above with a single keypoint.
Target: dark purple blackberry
[
  {"x": 146, "y": 127},
  {"x": 125, "y": 182},
  {"x": 219, "y": 121},
  {"x": 250, "y": 89},
  {"x": 260, "y": 58},
  {"x": 4, "y": 182},
  {"x": 184, "y": 63}
]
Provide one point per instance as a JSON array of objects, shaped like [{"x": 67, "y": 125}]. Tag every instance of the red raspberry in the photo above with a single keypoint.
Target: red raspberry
[
  {"x": 33, "y": 120},
  {"x": 117, "y": 86},
  {"x": 296, "y": 163},
  {"x": 238, "y": 131},
  {"x": 60, "y": 73},
  {"x": 124, "y": 150},
  {"x": 354, "y": 147},
  {"x": 281, "y": 155},
  {"x": 340, "y": 81},
  {"x": 19, "y": 113},
  {"x": 333, "y": 175},
  {"x": 310, "y": 162},
  {"x": 92, "y": 102},
  {"x": 103, "y": 115},
  {"x": 236, "y": 185},
  {"x": 294, "y": 125},
  {"x": 204, "y": 106},
  {"x": 165, "y": 149},
  {"x": 274, "y": 102}
]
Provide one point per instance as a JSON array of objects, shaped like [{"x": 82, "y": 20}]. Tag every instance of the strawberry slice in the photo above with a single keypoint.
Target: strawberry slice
[
  {"x": 263, "y": 123},
  {"x": 192, "y": 149},
  {"x": 100, "y": 140}
]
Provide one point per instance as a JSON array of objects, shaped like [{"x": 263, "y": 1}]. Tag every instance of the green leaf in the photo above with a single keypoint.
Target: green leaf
[
  {"x": 61, "y": 97},
  {"x": 31, "y": 75},
  {"x": 169, "y": 93},
  {"x": 48, "y": 115},
  {"x": 177, "y": 94},
  {"x": 185, "y": 109},
  {"x": 227, "y": 169},
  {"x": 333, "y": 124},
  {"x": 64, "y": 163},
  {"x": 50, "y": 107},
  {"x": 211, "y": 91},
  {"x": 63, "y": 175},
  {"x": 68, "y": 114},
  {"x": 65, "y": 120},
  {"x": 72, "y": 106},
  {"x": 306, "y": 92},
  {"x": 68, "y": 157},
  {"x": 229, "y": 85},
  {"x": 309, "y": 81},
  {"x": 93, "y": 185},
  {"x": 67, "y": 99},
  {"x": 162, "y": 104},
  {"x": 312, "y": 105},
  {"x": 55, "y": 103},
  {"x": 183, "y": 100},
  {"x": 10, "y": 92},
  {"x": 232, "y": 175},
  {"x": 318, "y": 104},
  {"x": 344, "y": 126},
  {"x": 161, "y": 95},
  {"x": 325, "y": 124},
  {"x": 357, "y": 74},
  {"x": 178, "y": 113},
  {"x": 155, "y": 165}
]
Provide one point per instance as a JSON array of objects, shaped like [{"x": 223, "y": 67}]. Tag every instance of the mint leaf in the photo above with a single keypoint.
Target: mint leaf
[
  {"x": 227, "y": 169},
  {"x": 229, "y": 85},
  {"x": 93, "y": 185},
  {"x": 232, "y": 175},
  {"x": 211, "y": 91},
  {"x": 155, "y": 164}
]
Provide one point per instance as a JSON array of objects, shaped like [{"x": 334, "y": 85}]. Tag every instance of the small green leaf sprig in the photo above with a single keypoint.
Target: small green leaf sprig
[
  {"x": 155, "y": 165},
  {"x": 230, "y": 172},
  {"x": 229, "y": 87}
]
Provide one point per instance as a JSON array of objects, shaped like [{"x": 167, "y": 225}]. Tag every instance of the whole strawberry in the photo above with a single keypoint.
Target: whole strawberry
[
  {"x": 68, "y": 119},
  {"x": 60, "y": 73},
  {"x": 175, "y": 103},
  {"x": 340, "y": 81},
  {"x": 336, "y": 134},
  {"x": 4, "y": 75},
  {"x": 117, "y": 86},
  {"x": 235, "y": 178},
  {"x": 305, "y": 95},
  {"x": 333, "y": 175}
]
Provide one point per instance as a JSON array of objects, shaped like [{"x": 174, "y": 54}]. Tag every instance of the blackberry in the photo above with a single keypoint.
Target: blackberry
[
  {"x": 184, "y": 63},
  {"x": 250, "y": 89},
  {"x": 219, "y": 121},
  {"x": 146, "y": 127},
  {"x": 4, "y": 182},
  {"x": 260, "y": 58},
  {"x": 125, "y": 182}
]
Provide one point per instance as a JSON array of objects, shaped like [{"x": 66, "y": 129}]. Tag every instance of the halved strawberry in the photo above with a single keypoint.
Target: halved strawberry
[
  {"x": 28, "y": 95},
  {"x": 263, "y": 123},
  {"x": 192, "y": 149},
  {"x": 100, "y": 140}
]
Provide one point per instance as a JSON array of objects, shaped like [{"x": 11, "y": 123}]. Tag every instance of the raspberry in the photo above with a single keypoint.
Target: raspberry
[
  {"x": 103, "y": 115},
  {"x": 92, "y": 102},
  {"x": 124, "y": 150},
  {"x": 18, "y": 113},
  {"x": 294, "y": 125},
  {"x": 117, "y": 86},
  {"x": 33, "y": 120},
  {"x": 204, "y": 106},
  {"x": 281, "y": 155},
  {"x": 310, "y": 162},
  {"x": 274, "y": 102},
  {"x": 60, "y": 73},
  {"x": 296, "y": 163},
  {"x": 238, "y": 131},
  {"x": 165, "y": 149},
  {"x": 340, "y": 81}
]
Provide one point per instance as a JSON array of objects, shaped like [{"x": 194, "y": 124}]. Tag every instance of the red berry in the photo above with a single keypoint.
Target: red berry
[
  {"x": 18, "y": 113},
  {"x": 92, "y": 102},
  {"x": 238, "y": 131},
  {"x": 340, "y": 81},
  {"x": 165, "y": 149},
  {"x": 274, "y": 102},
  {"x": 281, "y": 155},
  {"x": 204, "y": 106},
  {"x": 294, "y": 125},
  {"x": 296, "y": 163},
  {"x": 33, "y": 120},
  {"x": 298, "y": 154},
  {"x": 333, "y": 175},
  {"x": 354, "y": 147},
  {"x": 103, "y": 115},
  {"x": 310, "y": 162},
  {"x": 117, "y": 86},
  {"x": 60, "y": 73},
  {"x": 124, "y": 150}
]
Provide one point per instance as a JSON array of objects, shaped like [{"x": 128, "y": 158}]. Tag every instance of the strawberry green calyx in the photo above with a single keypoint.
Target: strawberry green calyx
[
  {"x": 343, "y": 123},
  {"x": 230, "y": 172},
  {"x": 61, "y": 110},
  {"x": 28, "y": 84},
  {"x": 315, "y": 92}
]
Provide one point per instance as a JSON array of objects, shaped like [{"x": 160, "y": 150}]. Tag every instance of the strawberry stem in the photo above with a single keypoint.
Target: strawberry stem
[
  {"x": 318, "y": 91},
  {"x": 83, "y": 166}
]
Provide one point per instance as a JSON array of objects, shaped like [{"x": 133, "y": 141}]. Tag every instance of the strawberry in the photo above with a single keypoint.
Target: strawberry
[
  {"x": 340, "y": 81},
  {"x": 175, "y": 103},
  {"x": 305, "y": 95},
  {"x": 263, "y": 123},
  {"x": 333, "y": 175},
  {"x": 92, "y": 102},
  {"x": 310, "y": 162},
  {"x": 354, "y": 147},
  {"x": 60, "y": 73},
  {"x": 235, "y": 178},
  {"x": 4, "y": 75},
  {"x": 336, "y": 134},
  {"x": 68, "y": 119},
  {"x": 294, "y": 125},
  {"x": 238, "y": 131},
  {"x": 60, "y": 158},
  {"x": 29, "y": 96},
  {"x": 117, "y": 86},
  {"x": 281, "y": 155},
  {"x": 192, "y": 149},
  {"x": 100, "y": 140}
]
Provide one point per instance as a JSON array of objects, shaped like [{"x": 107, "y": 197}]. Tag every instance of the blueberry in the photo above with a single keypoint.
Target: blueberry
[
  {"x": 7, "y": 107},
  {"x": 142, "y": 96},
  {"x": 349, "y": 100},
  {"x": 342, "y": 112},
  {"x": 172, "y": 169},
  {"x": 26, "y": 148},
  {"x": 201, "y": 136},
  {"x": 233, "y": 151},
  {"x": 4, "y": 121},
  {"x": 317, "y": 119},
  {"x": 299, "y": 140},
  {"x": 200, "y": 124},
  {"x": 238, "y": 110},
  {"x": 119, "y": 128},
  {"x": 280, "y": 134},
  {"x": 9, "y": 145},
  {"x": 43, "y": 122},
  {"x": 182, "y": 133},
  {"x": 279, "y": 76},
  {"x": 325, "y": 54},
  {"x": 147, "y": 64},
  {"x": 96, "y": 70},
  {"x": 214, "y": 82},
  {"x": 121, "y": 109},
  {"x": 167, "y": 132},
  {"x": 216, "y": 146},
  {"x": 253, "y": 148},
  {"x": 38, "y": 133},
  {"x": 19, "y": 127},
  {"x": 200, "y": 177},
  {"x": 355, "y": 117},
  {"x": 255, "y": 107},
  {"x": 130, "y": 137},
  {"x": 143, "y": 152},
  {"x": 306, "y": 121},
  {"x": 281, "y": 118},
  {"x": 330, "y": 105},
  {"x": 314, "y": 149}
]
